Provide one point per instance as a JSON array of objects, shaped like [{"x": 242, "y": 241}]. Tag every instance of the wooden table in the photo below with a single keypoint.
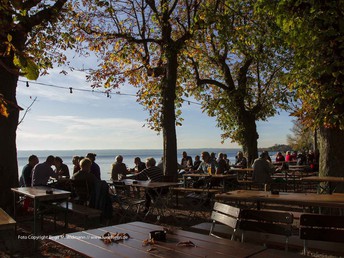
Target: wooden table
[
  {"x": 39, "y": 194},
  {"x": 332, "y": 181},
  {"x": 158, "y": 195},
  {"x": 6, "y": 222},
  {"x": 89, "y": 244},
  {"x": 301, "y": 199},
  {"x": 277, "y": 253},
  {"x": 222, "y": 177}
]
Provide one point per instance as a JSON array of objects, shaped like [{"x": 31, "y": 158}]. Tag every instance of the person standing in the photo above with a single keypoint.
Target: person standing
[
  {"x": 26, "y": 176},
  {"x": 43, "y": 171},
  {"x": 95, "y": 169}
]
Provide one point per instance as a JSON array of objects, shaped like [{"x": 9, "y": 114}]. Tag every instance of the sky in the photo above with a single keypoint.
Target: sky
[{"x": 60, "y": 120}]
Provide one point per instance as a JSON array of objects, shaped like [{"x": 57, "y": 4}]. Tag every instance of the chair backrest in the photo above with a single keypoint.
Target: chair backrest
[
  {"x": 121, "y": 188},
  {"x": 81, "y": 189},
  {"x": 322, "y": 228},
  {"x": 270, "y": 222},
  {"x": 224, "y": 214}
]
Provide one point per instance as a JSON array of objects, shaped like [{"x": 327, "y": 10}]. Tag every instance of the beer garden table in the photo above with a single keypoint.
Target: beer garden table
[
  {"x": 88, "y": 243},
  {"x": 332, "y": 181},
  {"x": 41, "y": 194},
  {"x": 287, "y": 198}
]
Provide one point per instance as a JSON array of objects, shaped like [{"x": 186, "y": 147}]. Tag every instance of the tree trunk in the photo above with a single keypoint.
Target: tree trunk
[
  {"x": 169, "y": 117},
  {"x": 250, "y": 137},
  {"x": 8, "y": 128},
  {"x": 331, "y": 154}
]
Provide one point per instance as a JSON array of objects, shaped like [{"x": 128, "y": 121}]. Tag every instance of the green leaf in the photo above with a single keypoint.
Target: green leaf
[
  {"x": 9, "y": 37},
  {"x": 27, "y": 67}
]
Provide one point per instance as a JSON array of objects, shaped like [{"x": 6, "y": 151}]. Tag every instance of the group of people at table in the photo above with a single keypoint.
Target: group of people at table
[{"x": 38, "y": 174}]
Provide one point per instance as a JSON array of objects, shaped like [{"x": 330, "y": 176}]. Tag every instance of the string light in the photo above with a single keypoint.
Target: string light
[{"x": 108, "y": 94}]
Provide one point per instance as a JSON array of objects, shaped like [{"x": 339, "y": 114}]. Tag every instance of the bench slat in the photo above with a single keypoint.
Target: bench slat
[{"x": 81, "y": 209}]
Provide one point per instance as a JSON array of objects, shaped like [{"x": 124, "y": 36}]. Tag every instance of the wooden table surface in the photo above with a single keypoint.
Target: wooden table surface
[
  {"x": 89, "y": 244},
  {"x": 148, "y": 184},
  {"x": 303, "y": 199},
  {"x": 332, "y": 179},
  {"x": 277, "y": 253},
  {"x": 6, "y": 221},
  {"x": 39, "y": 192}
]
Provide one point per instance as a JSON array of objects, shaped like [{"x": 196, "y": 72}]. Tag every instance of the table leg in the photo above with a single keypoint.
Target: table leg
[
  {"x": 34, "y": 221},
  {"x": 66, "y": 211}
]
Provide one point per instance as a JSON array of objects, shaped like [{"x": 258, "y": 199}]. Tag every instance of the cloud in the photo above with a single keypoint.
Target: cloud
[{"x": 72, "y": 132}]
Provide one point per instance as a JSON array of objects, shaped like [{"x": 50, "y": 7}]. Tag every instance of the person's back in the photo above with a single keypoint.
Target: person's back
[
  {"x": 95, "y": 169},
  {"x": 119, "y": 169},
  {"x": 84, "y": 174},
  {"x": 26, "y": 176},
  {"x": 152, "y": 172},
  {"x": 262, "y": 169},
  {"x": 42, "y": 172}
]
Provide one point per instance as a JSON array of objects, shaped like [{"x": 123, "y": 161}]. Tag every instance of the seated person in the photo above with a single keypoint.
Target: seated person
[
  {"x": 279, "y": 157},
  {"x": 262, "y": 169},
  {"x": 154, "y": 174},
  {"x": 42, "y": 172},
  {"x": 197, "y": 162},
  {"x": 84, "y": 174},
  {"x": 221, "y": 164},
  {"x": 61, "y": 169},
  {"x": 139, "y": 165},
  {"x": 207, "y": 166},
  {"x": 240, "y": 160},
  {"x": 25, "y": 178},
  {"x": 119, "y": 169},
  {"x": 186, "y": 161}
]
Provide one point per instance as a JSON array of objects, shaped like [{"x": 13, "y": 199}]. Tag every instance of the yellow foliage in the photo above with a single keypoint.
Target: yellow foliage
[{"x": 3, "y": 110}]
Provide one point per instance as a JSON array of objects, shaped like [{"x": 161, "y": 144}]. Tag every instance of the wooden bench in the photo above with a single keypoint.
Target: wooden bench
[
  {"x": 321, "y": 228},
  {"x": 85, "y": 211},
  {"x": 6, "y": 221},
  {"x": 267, "y": 222},
  {"x": 178, "y": 190}
]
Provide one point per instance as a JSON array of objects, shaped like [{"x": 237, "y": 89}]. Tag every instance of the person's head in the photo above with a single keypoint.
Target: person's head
[
  {"x": 279, "y": 153},
  {"x": 224, "y": 155},
  {"x": 240, "y": 155},
  {"x": 150, "y": 162},
  {"x": 50, "y": 160},
  {"x": 58, "y": 162},
  {"x": 119, "y": 159},
  {"x": 220, "y": 155},
  {"x": 213, "y": 155},
  {"x": 197, "y": 158},
  {"x": 184, "y": 154},
  {"x": 264, "y": 155},
  {"x": 91, "y": 156},
  {"x": 75, "y": 160},
  {"x": 137, "y": 160},
  {"x": 205, "y": 156},
  {"x": 85, "y": 164},
  {"x": 33, "y": 160},
  {"x": 287, "y": 153}
]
